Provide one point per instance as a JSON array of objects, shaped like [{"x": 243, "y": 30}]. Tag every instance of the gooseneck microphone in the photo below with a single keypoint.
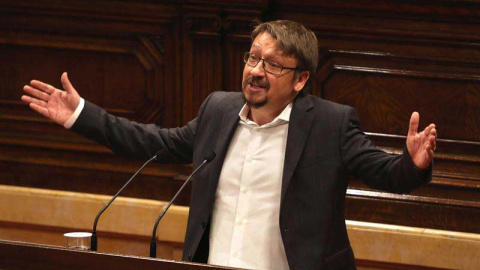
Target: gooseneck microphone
[
  {"x": 153, "y": 242},
  {"x": 94, "y": 242}
]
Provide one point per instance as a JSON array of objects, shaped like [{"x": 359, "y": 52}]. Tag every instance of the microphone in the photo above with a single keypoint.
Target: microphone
[
  {"x": 153, "y": 242},
  {"x": 94, "y": 242}
]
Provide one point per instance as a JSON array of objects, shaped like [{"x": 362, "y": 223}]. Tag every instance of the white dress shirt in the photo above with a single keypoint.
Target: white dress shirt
[{"x": 245, "y": 229}]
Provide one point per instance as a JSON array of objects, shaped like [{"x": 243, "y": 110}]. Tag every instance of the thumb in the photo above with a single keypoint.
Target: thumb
[
  {"x": 414, "y": 121},
  {"x": 67, "y": 85}
]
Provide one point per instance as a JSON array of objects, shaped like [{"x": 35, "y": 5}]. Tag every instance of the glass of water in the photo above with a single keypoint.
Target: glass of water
[{"x": 78, "y": 240}]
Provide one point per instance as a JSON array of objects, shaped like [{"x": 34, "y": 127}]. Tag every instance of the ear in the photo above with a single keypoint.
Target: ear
[{"x": 301, "y": 81}]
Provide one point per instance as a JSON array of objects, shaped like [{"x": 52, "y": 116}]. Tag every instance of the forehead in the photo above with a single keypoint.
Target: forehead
[
  {"x": 265, "y": 42},
  {"x": 266, "y": 46}
]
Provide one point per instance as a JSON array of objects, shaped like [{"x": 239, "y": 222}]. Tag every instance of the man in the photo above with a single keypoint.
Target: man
[{"x": 273, "y": 198}]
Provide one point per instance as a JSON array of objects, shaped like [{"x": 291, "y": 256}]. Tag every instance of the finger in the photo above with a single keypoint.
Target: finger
[
  {"x": 429, "y": 150},
  {"x": 428, "y": 130},
  {"x": 31, "y": 100},
  {"x": 413, "y": 127},
  {"x": 36, "y": 93},
  {"x": 26, "y": 99},
  {"x": 430, "y": 155},
  {"x": 41, "y": 110},
  {"x": 47, "y": 88},
  {"x": 427, "y": 156},
  {"x": 433, "y": 142},
  {"x": 67, "y": 85},
  {"x": 430, "y": 143}
]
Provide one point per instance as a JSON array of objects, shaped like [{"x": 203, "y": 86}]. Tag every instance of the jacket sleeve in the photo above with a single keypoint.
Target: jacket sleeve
[
  {"x": 136, "y": 140},
  {"x": 379, "y": 170}
]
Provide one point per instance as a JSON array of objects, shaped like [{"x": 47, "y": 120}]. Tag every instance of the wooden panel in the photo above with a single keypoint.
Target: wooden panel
[
  {"x": 372, "y": 265},
  {"x": 91, "y": 72},
  {"x": 388, "y": 59},
  {"x": 25, "y": 256},
  {"x": 215, "y": 39},
  {"x": 385, "y": 97},
  {"x": 126, "y": 226},
  {"x": 157, "y": 61},
  {"x": 136, "y": 59},
  {"x": 115, "y": 54},
  {"x": 110, "y": 242},
  {"x": 98, "y": 172}
]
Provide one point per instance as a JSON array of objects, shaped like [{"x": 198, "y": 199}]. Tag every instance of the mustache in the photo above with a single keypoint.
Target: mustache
[{"x": 257, "y": 80}]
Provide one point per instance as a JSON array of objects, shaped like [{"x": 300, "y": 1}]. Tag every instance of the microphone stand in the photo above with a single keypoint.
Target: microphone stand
[
  {"x": 94, "y": 242},
  {"x": 153, "y": 242}
]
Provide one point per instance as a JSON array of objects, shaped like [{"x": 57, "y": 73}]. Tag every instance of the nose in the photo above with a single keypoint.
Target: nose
[{"x": 258, "y": 69}]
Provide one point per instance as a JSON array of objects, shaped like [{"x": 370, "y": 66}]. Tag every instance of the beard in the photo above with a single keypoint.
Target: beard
[
  {"x": 251, "y": 101},
  {"x": 255, "y": 103}
]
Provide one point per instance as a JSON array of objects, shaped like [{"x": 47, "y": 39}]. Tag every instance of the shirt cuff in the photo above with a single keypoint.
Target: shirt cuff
[{"x": 75, "y": 114}]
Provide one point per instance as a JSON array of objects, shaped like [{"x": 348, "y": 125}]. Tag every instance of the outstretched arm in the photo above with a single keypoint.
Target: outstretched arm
[
  {"x": 55, "y": 104},
  {"x": 379, "y": 170},
  {"x": 421, "y": 145}
]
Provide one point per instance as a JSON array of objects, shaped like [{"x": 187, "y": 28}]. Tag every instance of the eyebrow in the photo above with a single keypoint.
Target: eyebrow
[
  {"x": 277, "y": 55},
  {"x": 256, "y": 45}
]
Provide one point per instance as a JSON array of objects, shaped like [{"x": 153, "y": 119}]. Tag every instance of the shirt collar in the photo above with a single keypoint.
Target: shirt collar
[{"x": 283, "y": 117}]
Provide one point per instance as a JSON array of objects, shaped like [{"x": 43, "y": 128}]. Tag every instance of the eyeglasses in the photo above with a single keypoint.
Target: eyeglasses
[{"x": 271, "y": 67}]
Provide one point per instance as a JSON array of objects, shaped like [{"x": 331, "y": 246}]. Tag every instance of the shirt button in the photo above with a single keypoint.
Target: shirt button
[
  {"x": 243, "y": 190},
  {"x": 235, "y": 254}
]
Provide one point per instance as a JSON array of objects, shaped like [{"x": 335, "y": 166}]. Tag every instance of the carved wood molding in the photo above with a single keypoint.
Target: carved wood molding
[
  {"x": 442, "y": 214},
  {"x": 429, "y": 10},
  {"x": 412, "y": 198},
  {"x": 457, "y": 159},
  {"x": 124, "y": 11},
  {"x": 148, "y": 50},
  {"x": 220, "y": 20},
  {"x": 203, "y": 24},
  {"x": 456, "y": 162},
  {"x": 213, "y": 37},
  {"x": 150, "y": 53}
]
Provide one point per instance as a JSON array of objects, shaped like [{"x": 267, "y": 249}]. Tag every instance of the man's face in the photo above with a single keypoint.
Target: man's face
[{"x": 264, "y": 90}]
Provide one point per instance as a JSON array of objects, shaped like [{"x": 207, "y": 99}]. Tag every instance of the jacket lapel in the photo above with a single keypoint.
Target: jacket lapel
[
  {"x": 227, "y": 126},
  {"x": 298, "y": 130}
]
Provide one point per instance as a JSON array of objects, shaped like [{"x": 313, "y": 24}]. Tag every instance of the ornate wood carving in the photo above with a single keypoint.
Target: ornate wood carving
[
  {"x": 115, "y": 55},
  {"x": 216, "y": 38}
]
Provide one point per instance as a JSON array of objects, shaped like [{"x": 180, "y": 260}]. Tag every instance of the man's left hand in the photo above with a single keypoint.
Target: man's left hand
[{"x": 421, "y": 145}]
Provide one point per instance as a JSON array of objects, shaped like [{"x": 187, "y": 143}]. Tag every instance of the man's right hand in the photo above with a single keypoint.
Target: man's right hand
[{"x": 55, "y": 104}]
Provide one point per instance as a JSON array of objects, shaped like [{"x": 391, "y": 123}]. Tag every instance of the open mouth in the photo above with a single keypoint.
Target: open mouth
[{"x": 255, "y": 86}]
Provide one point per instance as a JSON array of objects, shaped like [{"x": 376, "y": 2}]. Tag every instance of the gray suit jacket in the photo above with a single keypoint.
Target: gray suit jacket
[{"x": 324, "y": 146}]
